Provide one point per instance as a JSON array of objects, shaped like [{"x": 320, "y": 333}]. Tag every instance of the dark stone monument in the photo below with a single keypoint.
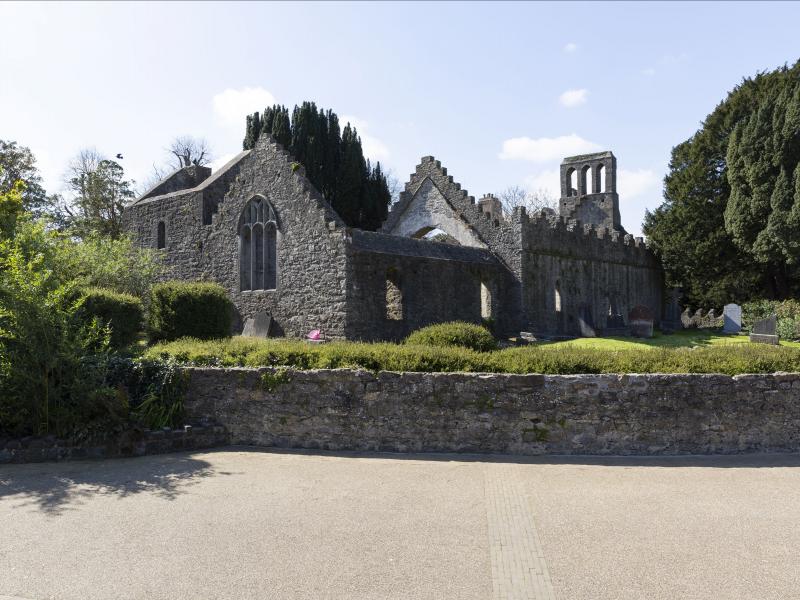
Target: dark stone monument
[
  {"x": 586, "y": 321},
  {"x": 672, "y": 312},
  {"x": 258, "y": 326},
  {"x": 765, "y": 331},
  {"x": 640, "y": 319}
]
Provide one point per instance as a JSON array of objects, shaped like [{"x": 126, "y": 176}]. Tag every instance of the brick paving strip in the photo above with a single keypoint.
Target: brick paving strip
[{"x": 519, "y": 569}]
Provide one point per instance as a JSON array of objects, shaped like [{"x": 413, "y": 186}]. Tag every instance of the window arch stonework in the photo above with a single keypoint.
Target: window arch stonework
[{"x": 258, "y": 246}]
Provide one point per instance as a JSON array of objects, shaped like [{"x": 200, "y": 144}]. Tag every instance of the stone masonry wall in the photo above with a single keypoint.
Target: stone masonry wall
[{"x": 517, "y": 414}]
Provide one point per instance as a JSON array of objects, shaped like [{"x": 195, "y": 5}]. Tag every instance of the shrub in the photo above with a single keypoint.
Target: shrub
[
  {"x": 551, "y": 359},
  {"x": 787, "y": 312},
  {"x": 189, "y": 309},
  {"x": 456, "y": 333},
  {"x": 123, "y": 313}
]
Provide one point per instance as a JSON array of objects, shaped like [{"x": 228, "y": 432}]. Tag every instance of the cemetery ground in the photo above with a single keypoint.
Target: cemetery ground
[{"x": 247, "y": 523}]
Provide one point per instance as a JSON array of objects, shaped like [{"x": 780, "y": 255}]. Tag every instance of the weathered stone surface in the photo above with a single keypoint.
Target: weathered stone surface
[
  {"x": 732, "y": 318},
  {"x": 518, "y": 414},
  {"x": 132, "y": 442},
  {"x": 258, "y": 326},
  {"x": 641, "y": 322},
  {"x": 508, "y": 270},
  {"x": 768, "y": 326},
  {"x": 764, "y": 338}
]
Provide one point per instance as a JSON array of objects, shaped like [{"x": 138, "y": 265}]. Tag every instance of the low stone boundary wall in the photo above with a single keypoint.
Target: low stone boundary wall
[
  {"x": 129, "y": 443},
  {"x": 515, "y": 414}
]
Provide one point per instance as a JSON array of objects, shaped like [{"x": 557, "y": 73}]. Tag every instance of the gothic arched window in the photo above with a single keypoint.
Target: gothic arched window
[{"x": 258, "y": 246}]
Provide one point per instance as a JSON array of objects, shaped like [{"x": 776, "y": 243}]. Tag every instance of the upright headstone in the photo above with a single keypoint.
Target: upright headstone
[
  {"x": 672, "y": 312},
  {"x": 586, "y": 321},
  {"x": 258, "y": 326},
  {"x": 732, "y": 318},
  {"x": 641, "y": 319},
  {"x": 765, "y": 331}
]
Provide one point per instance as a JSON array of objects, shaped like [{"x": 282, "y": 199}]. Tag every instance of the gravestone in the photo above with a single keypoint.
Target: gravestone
[
  {"x": 258, "y": 326},
  {"x": 640, "y": 319},
  {"x": 672, "y": 312},
  {"x": 586, "y": 321},
  {"x": 686, "y": 318},
  {"x": 765, "y": 331},
  {"x": 732, "y": 318}
]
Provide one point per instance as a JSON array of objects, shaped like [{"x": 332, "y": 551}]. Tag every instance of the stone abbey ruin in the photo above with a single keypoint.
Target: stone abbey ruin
[{"x": 259, "y": 228}]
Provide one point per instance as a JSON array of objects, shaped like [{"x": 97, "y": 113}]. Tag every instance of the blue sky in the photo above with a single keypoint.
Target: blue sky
[{"x": 498, "y": 92}]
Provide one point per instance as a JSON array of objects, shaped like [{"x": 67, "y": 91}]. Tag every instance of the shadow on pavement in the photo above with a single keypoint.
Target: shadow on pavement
[
  {"x": 56, "y": 487},
  {"x": 720, "y": 461}
]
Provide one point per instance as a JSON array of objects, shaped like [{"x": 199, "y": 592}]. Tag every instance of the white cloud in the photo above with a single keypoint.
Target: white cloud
[
  {"x": 233, "y": 105},
  {"x": 649, "y": 71},
  {"x": 571, "y": 47},
  {"x": 373, "y": 148},
  {"x": 572, "y": 98},
  {"x": 544, "y": 149},
  {"x": 549, "y": 181},
  {"x": 631, "y": 184}
]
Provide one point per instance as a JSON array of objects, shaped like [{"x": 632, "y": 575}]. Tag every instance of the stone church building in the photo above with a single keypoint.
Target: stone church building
[{"x": 259, "y": 228}]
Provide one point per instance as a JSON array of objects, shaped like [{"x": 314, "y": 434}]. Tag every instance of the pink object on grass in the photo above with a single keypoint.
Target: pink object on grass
[{"x": 314, "y": 334}]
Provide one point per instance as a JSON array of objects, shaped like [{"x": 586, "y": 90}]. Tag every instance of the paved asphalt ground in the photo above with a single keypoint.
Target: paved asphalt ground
[{"x": 246, "y": 523}]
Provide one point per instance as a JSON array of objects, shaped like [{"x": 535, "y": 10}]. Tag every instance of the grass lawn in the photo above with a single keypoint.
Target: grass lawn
[{"x": 690, "y": 338}]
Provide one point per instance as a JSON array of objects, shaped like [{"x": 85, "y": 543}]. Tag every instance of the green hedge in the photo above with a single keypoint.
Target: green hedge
[
  {"x": 455, "y": 333},
  {"x": 123, "y": 313},
  {"x": 248, "y": 352},
  {"x": 189, "y": 309}
]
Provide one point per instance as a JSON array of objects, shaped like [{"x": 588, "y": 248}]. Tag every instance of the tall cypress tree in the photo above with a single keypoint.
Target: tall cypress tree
[{"x": 333, "y": 159}]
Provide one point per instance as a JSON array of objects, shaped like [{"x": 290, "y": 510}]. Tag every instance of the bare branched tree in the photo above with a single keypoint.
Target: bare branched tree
[
  {"x": 188, "y": 151},
  {"x": 533, "y": 200},
  {"x": 395, "y": 187}
]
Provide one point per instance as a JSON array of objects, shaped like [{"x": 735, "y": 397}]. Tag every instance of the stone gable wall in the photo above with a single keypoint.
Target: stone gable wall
[
  {"x": 311, "y": 286},
  {"x": 516, "y": 414}
]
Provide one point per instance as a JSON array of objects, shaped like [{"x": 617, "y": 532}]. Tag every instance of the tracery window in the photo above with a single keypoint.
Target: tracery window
[{"x": 258, "y": 246}]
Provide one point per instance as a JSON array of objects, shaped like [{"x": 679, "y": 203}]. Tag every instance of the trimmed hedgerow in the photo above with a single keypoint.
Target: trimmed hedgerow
[
  {"x": 122, "y": 313},
  {"x": 455, "y": 333},
  {"x": 188, "y": 309},
  {"x": 247, "y": 352}
]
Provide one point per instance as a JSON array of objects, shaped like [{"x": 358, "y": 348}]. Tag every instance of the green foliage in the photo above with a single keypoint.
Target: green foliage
[
  {"x": 52, "y": 363},
  {"x": 157, "y": 389},
  {"x": 100, "y": 193},
  {"x": 121, "y": 313},
  {"x": 732, "y": 193},
  {"x": 333, "y": 159},
  {"x": 272, "y": 379},
  {"x": 456, "y": 333},
  {"x": 552, "y": 359},
  {"x": 786, "y": 311},
  {"x": 197, "y": 309},
  {"x": 115, "y": 264},
  {"x": 18, "y": 166}
]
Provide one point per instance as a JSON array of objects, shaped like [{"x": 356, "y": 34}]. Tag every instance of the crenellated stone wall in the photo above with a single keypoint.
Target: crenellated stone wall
[{"x": 516, "y": 414}]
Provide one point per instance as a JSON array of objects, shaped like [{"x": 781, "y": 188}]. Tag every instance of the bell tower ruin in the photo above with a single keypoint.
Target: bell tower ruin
[{"x": 589, "y": 190}]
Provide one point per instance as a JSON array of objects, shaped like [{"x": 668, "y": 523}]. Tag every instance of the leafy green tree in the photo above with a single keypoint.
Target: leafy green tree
[
  {"x": 728, "y": 227},
  {"x": 17, "y": 164},
  {"x": 100, "y": 194}
]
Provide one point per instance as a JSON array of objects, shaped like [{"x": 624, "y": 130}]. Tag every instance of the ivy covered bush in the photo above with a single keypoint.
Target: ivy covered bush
[
  {"x": 189, "y": 309},
  {"x": 455, "y": 333},
  {"x": 121, "y": 313}
]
